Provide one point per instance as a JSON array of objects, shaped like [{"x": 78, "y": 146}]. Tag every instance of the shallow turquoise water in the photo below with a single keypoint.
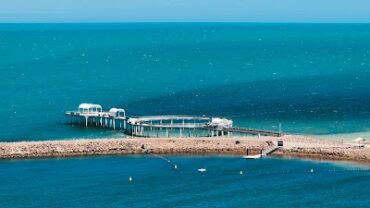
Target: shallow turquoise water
[
  {"x": 313, "y": 78},
  {"x": 103, "y": 182}
]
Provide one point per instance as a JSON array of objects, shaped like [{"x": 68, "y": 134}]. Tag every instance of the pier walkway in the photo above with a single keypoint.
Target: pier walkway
[
  {"x": 159, "y": 126},
  {"x": 92, "y": 115},
  {"x": 254, "y": 131}
]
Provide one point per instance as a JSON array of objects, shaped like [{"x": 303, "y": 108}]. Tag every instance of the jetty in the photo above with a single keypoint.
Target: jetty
[
  {"x": 89, "y": 114},
  {"x": 271, "y": 148}
]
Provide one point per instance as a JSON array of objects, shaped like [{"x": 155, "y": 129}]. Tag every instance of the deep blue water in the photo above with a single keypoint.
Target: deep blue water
[
  {"x": 313, "y": 78},
  {"x": 103, "y": 182}
]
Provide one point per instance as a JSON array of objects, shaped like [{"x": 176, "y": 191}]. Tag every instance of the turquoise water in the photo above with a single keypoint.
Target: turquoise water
[
  {"x": 103, "y": 182},
  {"x": 313, "y": 78}
]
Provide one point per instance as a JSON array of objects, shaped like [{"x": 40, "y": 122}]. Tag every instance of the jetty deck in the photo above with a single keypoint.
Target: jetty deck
[
  {"x": 255, "y": 131},
  {"x": 159, "y": 126},
  {"x": 93, "y": 115}
]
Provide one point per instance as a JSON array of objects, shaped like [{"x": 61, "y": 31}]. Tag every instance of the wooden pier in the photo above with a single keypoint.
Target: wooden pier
[
  {"x": 159, "y": 126},
  {"x": 93, "y": 115},
  {"x": 254, "y": 132},
  {"x": 176, "y": 126}
]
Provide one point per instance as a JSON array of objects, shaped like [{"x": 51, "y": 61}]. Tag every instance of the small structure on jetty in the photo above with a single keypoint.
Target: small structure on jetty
[
  {"x": 159, "y": 126},
  {"x": 89, "y": 114},
  {"x": 178, "y": 126}
]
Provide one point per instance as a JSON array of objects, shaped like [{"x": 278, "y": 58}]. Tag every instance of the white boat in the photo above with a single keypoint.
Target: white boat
[
  {"x": 202, "y": 170},
  {"x": 252, "y": 156}
]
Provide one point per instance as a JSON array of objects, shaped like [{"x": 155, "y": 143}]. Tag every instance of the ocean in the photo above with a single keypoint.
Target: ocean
[
  {"x": 104, "y": 182},
  {"x": 311, "y": 78}
]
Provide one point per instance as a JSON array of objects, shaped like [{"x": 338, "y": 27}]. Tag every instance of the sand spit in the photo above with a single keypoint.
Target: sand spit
[{"x": 294, "y": 146}]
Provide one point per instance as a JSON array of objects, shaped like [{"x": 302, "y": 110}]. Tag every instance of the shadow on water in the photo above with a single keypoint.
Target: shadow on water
[{"x": 341, "y": 100}]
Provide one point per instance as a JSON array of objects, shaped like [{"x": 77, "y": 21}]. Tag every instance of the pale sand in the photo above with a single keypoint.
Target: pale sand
[{"x": 294, "y": 146}]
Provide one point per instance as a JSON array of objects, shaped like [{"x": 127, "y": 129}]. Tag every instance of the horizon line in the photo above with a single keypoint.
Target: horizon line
[{"x": 200, "y": 22}]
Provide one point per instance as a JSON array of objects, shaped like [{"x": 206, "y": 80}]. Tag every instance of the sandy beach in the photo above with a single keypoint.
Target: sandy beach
[{"x": 294, "y": 146}]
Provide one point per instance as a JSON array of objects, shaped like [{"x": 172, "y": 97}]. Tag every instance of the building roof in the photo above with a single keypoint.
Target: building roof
[
  {"x": 89, "y": 105},
  {"x": 115, "y": 110},
  {"x": 222, "y": 122}
]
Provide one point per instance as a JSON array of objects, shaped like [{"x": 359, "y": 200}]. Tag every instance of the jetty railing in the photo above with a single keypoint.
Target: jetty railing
[
  {"x": 99, "y": 119},
  {"x": 193, "y": 126},
  {"x": 255, "y": 131}
]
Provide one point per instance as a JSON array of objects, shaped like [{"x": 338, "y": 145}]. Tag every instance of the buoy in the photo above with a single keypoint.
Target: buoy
[
  {"x": 311, "y": 170},
  {"x": 202, "y": 170},
  {"x": 241, "y": 172},
  {"x": 175, "y": 166},
  {"x": 130, "y": 178}
]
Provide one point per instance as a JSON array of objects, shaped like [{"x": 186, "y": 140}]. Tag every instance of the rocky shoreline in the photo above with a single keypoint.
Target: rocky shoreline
[
  {"x": 334, "y": 153},
  {"x": 294, "y": 146},
  {"x": 125, "y": 146}
]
